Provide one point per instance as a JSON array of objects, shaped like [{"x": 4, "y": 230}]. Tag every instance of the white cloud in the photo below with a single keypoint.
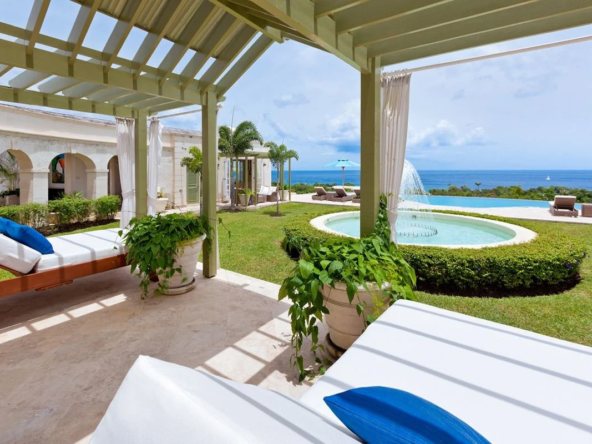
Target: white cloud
[
  {"x": 290, "y": 100},
  {"x": 343, "y": 130},
  {"x": 445, "y": 134}
]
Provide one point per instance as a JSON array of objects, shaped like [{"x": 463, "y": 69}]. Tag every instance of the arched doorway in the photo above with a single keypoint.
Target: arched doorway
[
  {"x": 74, "y": 173},
  {"x": 32, "y": 182},
  {"x": 114, "y": 180}
]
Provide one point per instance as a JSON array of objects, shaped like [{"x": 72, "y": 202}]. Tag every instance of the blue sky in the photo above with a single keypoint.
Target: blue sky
[{"x": 529, "y": 111}]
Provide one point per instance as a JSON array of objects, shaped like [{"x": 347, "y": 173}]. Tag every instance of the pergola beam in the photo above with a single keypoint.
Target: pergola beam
[
  {"x": 517, "y": 30},
  {"x": 130, "y": 14},
  {"x": 83, "y": 90},
  {"x": 300, "y": 15},
  {"x": 432, "y": 18},
  {"x": 379, "y": 11},
  {"x": 243, "y": 64},
  {"x": 38, "y": 13},
  {"x": 81, "y": 26},
  {"x": 58, "y": 84},
  {"x": 327, "y": 7},
  {"x": 247, "y": 16},
  {"x": 164, "y": 22},
  {"x": 196, "y": 26},
  {"x": 51, "y": 63},
  {"x": 60, "y": 102},
  {"x": 225, "y": 27},
  {"x": 226, "y": 57}
]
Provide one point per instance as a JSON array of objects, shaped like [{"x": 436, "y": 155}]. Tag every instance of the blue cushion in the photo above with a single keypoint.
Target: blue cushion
[
  {"x": 386, "y": 415},
  {"x": 25, "y": 235}
]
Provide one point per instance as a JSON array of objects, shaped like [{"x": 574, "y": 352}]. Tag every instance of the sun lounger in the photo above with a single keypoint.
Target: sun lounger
[
  {"x": 510, "y": 385},
  {"x": 342, "y": 195},
  {"x": 273, "y": 194},
  {"x": 322, "y": 194},
  {"x": 357, "y": 198},
  {"x": 75, "y": 256},
  {"x": 563, "y": 206},
  {"x": 586, "y": 210}
]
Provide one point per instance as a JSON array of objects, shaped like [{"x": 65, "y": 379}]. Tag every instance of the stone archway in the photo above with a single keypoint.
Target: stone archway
[
  {"x": 114, "y": 178},
  {"x": 32, "y": 180},
  {"x": 80, "y": 174}
]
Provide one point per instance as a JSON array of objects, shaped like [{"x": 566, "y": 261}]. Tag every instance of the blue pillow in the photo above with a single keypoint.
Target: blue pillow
[
  {"x": 384, "y": 415},
  {"x": 25, "y": 235}
]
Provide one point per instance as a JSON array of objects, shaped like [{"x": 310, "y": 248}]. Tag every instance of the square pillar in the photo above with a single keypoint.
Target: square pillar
[
  {"x": 33, "y": 185},
  {"x": 141, "y": 162},
  {"x": 370, "y": 147},
  {"x": 97, "y": 183},
  {"x": 210, "y": 157}
]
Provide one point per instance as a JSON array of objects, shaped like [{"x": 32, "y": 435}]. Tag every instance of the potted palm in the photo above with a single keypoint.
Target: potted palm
[
  {"x": 167, "y": 247},
  {"x": 348, "y": 283}
]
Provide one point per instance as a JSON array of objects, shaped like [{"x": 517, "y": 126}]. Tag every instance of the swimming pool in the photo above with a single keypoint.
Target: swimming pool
[
  {"x": 451, "y": 231},
  {"x": 485, "y": 202}
]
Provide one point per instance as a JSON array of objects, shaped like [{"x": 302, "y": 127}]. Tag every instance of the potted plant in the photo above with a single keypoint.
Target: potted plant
[
  {"x": 167, "y": 247},
  {"x": 13, "y": 197},
  {"x": 2, "y": 199},
  {"x": 161, "y": 201},
  {"x": 348, "y": 283},
  {"x": 244, "y": 197}
]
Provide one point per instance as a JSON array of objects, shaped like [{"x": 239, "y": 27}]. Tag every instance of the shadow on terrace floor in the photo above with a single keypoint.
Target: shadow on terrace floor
[{"x": 64, "y": 352}]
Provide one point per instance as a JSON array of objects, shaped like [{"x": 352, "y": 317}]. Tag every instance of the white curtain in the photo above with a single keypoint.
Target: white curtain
[
  {"x": 127, "y": 176},
  {"x": 393, "y": 139},
  {"x": 154, "y": 155}
]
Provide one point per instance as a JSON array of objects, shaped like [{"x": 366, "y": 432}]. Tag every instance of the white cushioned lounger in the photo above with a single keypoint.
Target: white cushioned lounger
[
  {"x": 511, "y": 385},
  {"x": 82, "y": 247},
  {"x": 16, "y": 256},
  {"x": 160, "y": 402}
]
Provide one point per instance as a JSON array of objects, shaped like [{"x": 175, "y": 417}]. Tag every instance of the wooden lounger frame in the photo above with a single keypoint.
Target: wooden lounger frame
[{"x": 56, "y": 277}]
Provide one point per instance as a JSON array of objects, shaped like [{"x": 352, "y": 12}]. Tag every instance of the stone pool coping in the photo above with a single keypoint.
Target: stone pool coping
[{"x": 521, "y": 234}]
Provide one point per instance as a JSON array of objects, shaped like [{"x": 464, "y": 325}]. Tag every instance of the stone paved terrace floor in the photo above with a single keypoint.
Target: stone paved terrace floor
[{"x": 64, "y": 352}]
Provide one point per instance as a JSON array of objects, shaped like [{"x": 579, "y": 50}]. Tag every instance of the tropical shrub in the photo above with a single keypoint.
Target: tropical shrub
[
  {"x": 33, "y": 214},
  {"x": 551, "y": 260},
  {"x": 516, "y": 192},
  {"x": 106, "y": 207},
  {"x": 11, "y": 212},
  {"x": 154, "y": 240}
]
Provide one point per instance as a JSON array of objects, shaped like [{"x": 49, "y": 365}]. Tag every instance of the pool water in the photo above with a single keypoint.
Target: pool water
[
  {"x": 486, "y": 202},
  {"x": 450, "y": 230}
]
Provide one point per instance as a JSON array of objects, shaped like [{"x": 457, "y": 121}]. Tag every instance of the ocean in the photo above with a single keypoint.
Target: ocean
[{"x": 443, "y": 179}]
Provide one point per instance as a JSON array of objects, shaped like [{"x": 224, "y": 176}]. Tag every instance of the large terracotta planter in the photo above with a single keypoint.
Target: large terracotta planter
[
  {"x": 186, "y": 258},
  {"x": 345, "y": 325}
]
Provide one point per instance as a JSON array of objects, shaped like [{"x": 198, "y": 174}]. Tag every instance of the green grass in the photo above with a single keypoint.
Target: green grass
[{"x": 256, "y": 251}]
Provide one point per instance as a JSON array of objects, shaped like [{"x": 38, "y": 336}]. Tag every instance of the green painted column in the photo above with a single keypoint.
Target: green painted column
[
  {"x": 370, "y": 147},
  {"x": 141, "y": 158},
  {"x": 210, "y": 154}
]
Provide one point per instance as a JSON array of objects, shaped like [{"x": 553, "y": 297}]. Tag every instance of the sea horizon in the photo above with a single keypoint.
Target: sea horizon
[{"x": 442, "y": 179}]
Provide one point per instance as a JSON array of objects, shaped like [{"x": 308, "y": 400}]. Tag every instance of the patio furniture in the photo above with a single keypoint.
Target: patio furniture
[
  {"x": 357, "y": 199},
  {"x": 263, "y": 193},
  {"x": 563, "y": 206},
  {"x": 342, "y": 195},
  {"x": 273, "y": 195},
  {"x": 75, "y": 256},
  {"x": 510, "y": 385},
  {"x": 322, "y": 194},
  {"x": 586, "y": 210}
]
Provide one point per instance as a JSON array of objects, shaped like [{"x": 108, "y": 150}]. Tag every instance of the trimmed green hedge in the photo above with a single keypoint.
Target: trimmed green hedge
[
  {"x": 542, "y": 266},
  {"x": 68, "y": 210}
]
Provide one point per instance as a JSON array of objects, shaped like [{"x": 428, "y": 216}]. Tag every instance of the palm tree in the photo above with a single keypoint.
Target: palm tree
[
  {"x": 193, "y": 162},
  {"x": 235, "y": 143},
  {"x": 9, "y": 171},
  {"x": 279, "y": 155},
  {"x": 478, "y": 185}
]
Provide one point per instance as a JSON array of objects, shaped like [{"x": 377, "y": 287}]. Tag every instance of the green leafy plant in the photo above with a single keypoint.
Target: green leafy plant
[
  {"x": 9, "y": 171},
  {"x": 353, "y": 262},
  {"x": 106, "y": 207},
  {"x": 154, "y": 240},
  {"x": 33, "y": 214},
  {"x": 278, "y": 156},
  {"x": 11, "y": 212}
]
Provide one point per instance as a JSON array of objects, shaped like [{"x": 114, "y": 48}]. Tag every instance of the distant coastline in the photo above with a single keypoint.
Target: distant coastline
[{"x": 443, "y": 179}]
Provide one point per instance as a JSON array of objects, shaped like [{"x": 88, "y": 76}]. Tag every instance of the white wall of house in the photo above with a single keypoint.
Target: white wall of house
[{"x": 35, "y": 137}]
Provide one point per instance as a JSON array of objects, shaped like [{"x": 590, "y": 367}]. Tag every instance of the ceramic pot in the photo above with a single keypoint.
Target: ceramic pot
[
  {"x": 343, "y": 321},
  {"x": 242, "y": 198},
  {"x": 161, "y": 204},
  {"x": 186, "y": 257},
  {"x": 13, "y": 199}
]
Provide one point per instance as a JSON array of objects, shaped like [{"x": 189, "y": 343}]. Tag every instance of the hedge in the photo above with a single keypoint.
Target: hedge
[
  {"x": 68, "y": 210},
  {"x": 549, "y": 262}
]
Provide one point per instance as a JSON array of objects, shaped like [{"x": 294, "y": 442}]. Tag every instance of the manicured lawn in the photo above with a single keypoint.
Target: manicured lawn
[{"x": 256, "y": 251}]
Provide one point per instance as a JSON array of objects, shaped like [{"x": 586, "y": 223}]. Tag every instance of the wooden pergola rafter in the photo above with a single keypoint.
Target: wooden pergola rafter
[{"x": 366, "y": 34}]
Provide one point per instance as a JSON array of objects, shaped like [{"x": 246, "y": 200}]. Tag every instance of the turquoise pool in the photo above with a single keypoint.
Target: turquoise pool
[
  {"x": 445, "y": 230},
  {"x": 485, "y": 202}
]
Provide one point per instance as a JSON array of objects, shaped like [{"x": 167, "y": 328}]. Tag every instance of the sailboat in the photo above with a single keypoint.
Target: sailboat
[{"x": 548, "y": 178}]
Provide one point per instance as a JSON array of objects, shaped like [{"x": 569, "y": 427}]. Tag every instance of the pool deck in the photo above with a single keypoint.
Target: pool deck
[{"x": 525, "y": 213}]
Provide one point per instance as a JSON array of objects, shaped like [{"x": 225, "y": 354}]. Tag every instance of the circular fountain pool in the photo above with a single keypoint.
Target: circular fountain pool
[{"x": 441, "y": 230}]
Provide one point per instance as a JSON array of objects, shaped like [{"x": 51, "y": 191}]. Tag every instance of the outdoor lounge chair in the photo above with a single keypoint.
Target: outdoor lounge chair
[
  {"x": 510, "y": 385},
  {"x": 563, "y": 206},
  {"x": 322, "y": 194},
  {"x": 75, "y": 256},
  {"x": 357, "y": 199},
  {"x": 263, "y": 193},
  {"x": 273, "y": 194},
  {"x": 342, "y": 195}
]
